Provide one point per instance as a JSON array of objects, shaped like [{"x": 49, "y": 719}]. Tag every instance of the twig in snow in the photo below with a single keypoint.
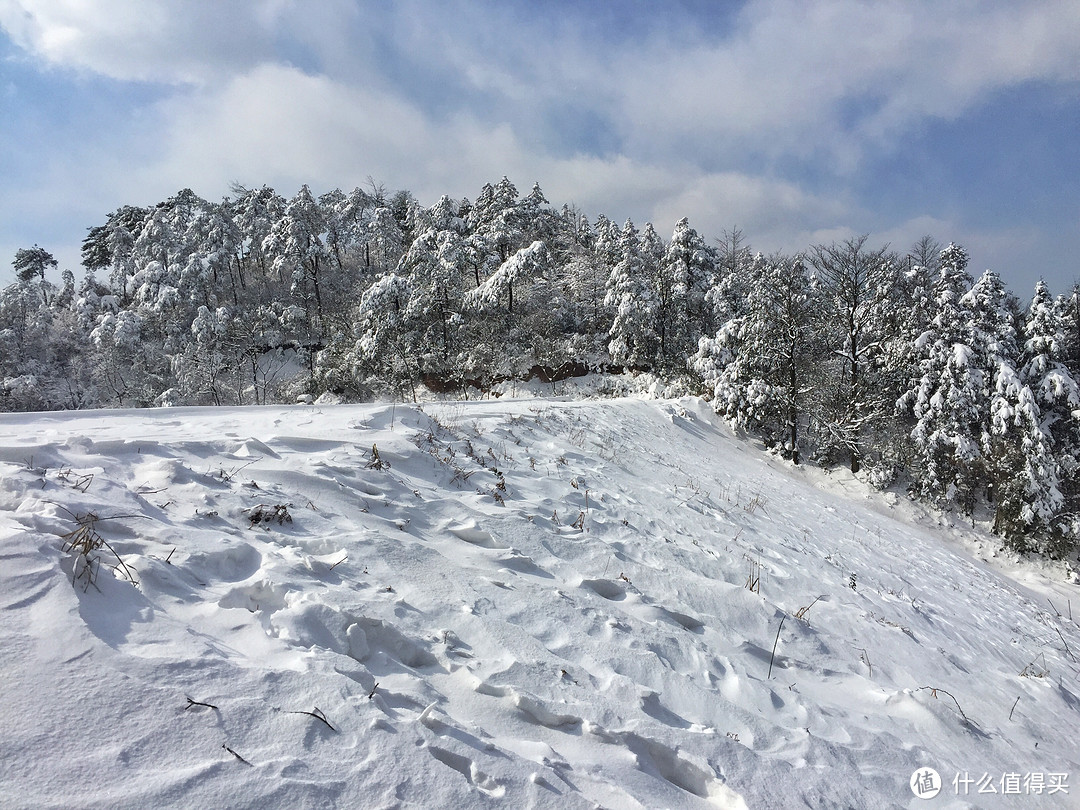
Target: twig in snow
[
  {"x": 84, "y": 540},
  {"x": 191, "y": 703},
  {"x": 1013, "y": 709},
  {"x": 339, "y": 562},
  {"x": 228, "y": 476},
  {"x": 371, "y": 694},
  {"x": 1067, "y": 650},
  {"x": 376, "y": 462},
  {"x": 933, "y": 693},
  {"x": 775, "y": 642},
  {"x": 803, "y": 611},
  {"x": 223, "y": 745},
  {"x": 318, "y": 715}
]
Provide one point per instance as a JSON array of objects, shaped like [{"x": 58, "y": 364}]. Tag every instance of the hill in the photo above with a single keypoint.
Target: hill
[{"x": 529, "y": 603}]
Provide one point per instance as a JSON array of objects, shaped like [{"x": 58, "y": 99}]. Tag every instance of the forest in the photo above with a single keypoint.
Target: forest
[{"x": 902, "y": 366}]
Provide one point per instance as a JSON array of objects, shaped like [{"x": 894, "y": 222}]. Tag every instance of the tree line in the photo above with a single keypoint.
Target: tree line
[{"x": 902, "y": 365}]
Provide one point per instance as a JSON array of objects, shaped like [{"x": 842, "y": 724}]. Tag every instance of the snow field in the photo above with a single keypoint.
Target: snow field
[{"x": 528, "y": 603}]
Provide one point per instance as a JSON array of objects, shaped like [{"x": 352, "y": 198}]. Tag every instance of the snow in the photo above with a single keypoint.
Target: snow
[{"x": 526, "y": 603}]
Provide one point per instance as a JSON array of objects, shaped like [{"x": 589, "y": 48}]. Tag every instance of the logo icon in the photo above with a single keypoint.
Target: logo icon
[{"x": 925, "y": 783}]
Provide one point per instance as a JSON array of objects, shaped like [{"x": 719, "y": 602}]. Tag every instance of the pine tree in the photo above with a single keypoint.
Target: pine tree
[
  {"x": 760, "y": 364},
  {"x": 688, "y": 271},
  {"x": 32, "y": 263},
  {"x": 1036, "y": 439},
  {"x": 1069, "y": 307},
  {"x": 254, "y": 214},
  {"x": 434, "y": 265},
  {"x": 948, "y": 395},
  {"x": 384, "y": 347},
  {"x": 296, "y": 244},
  {"x": 632, "y": 339},
  {"x": 506, "y": 305}
]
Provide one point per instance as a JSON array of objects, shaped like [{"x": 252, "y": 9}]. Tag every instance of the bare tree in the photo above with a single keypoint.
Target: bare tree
[{"x": 856, "y": 285}]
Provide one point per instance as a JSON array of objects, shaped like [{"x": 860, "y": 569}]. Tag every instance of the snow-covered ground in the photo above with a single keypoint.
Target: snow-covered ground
[{"x": 529, "y": 603}]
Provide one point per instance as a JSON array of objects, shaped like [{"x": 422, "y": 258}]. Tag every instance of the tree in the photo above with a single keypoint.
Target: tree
[
  {"x": 1070, "y": 313},
  {"x": 109, "y": 246},
  {"x": 905, "y": 319},
  {"x": 506, "y": 297},
  {"x": 856, "y": 292},
  {"x": 688, "y": 271},
  {"x": 760, "y": 364},
  {"x": 726, "y": 299},
  {"x": 632, "y": 339},
  {"x": 383, "y": 347},
  {"x": 1036, "y": 444},
  {"x": 432, "y": 314},
  {"x": 948, "y": 400},
  {"x": 254, "y": 213},
  {"x": 926, "y": 252},
  {"x": 295, "y": 242},
  {"x": 33, "y": 263},
  {"x": 384, "y": 239}
]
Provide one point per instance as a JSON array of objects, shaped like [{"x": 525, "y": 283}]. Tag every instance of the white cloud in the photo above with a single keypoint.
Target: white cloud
[
  {"x": 166, "y": 40},
  {"x": 791, "y": 77},
  {"x": 281, "y": 126},
  {"x": 799, "y": 77}
]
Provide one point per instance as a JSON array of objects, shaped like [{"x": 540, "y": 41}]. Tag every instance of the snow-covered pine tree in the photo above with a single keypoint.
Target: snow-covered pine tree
[
  {"x": 1036, "y": 440},
  {"x": 32, "y": 264},
  {"x": 760, "y": 364},
  {"x": 906, "y": 318},
  {"x": 385, "y": 240},
  {"x": 296, "y": 244},
  {"x": 651, "y": 248},
  {"x": 632, "y": 339},
  {"x": 254, "y": 213},
  {"x": 383, "y": 347},
  {"x": 948, "y": 396},
  {"x": 688, "y": 272},
  {"x": 506, "y": 305},
  {"x": 1070, "y": 312},
  {"x": 432, "y": 317},
  {"x": 202, "y": 364}
]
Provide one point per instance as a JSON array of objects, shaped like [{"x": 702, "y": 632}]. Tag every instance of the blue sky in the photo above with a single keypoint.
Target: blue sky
[{"x": 798, "y": 122}]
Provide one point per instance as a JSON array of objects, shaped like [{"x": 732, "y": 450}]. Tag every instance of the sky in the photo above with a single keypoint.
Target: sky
[{"x": 796, "y": 122}]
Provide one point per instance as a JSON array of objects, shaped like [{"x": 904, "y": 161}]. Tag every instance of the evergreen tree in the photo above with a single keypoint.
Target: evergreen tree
[
  {"x": 1037, "y": 444},
  {"x": 32, "y": 263},
  {"x": 385, "y": 240},
  {"x": 383, "y": 348},
  {"x": 434, "y": 265},
  {"x": 1069, "y": 306},
  {"x": 760, "y": 364},
  {"x": 632, "y": 339},
  {"x": 949, "y": 396},
  {"x": 296, "y": 244},
  {"x": 897, "y": 368},
  {"x": 254, "y": 213},
  {"x": 690, "y": 272}
]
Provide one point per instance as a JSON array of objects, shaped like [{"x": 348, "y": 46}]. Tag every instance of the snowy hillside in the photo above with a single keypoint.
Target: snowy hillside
[{"x": 517, "y": 604}]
